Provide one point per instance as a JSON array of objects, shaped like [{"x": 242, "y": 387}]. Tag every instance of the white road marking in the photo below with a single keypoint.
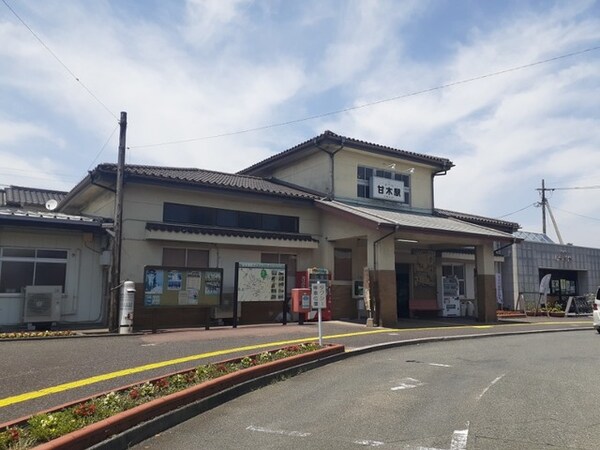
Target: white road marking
[
  {"x": 459, "y": 439},
  {"x": 281, "y": 432},
  {"x": 393, "y": 334},
  {"x": 429, "y": 364},
  {"x": 408, "y": 383},
  {"x": 147, "y": 345},
  {"x": 369, "y": 443},
  {"x": 489, "y": 386},
  {"x": 458, "y": 442}
]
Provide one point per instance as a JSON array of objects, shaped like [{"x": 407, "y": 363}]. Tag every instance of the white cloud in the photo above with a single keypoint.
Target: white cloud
[{"x": 211, "y": 67}]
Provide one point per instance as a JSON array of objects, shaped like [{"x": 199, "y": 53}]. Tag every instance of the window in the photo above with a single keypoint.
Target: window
[
  {"x": 342, "y": 264},
  {"x": 363, "y": 181},
  {"x": 184, "y": 257},
  {"x": 20, "y": 267},
  {"x": 459, "y": 271},
  {"x": 227, "y": 218}
]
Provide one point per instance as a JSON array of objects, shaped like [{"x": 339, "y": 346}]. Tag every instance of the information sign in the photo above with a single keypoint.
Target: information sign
[
  {"x": 318, "y": 293},
  {"x": 182, "y": 286},
  {"x": 260, "y": 282}
]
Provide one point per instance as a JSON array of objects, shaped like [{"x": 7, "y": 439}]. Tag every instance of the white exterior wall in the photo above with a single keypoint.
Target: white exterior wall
[
  {"x": 82, "y": 300},
  {"x": 144, "y": 203},
  {"x": 313, "y": 172},
  {"x": 347, "y": 161}
]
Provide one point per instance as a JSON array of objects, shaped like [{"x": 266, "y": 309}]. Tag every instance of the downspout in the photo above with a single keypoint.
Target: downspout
[
  {"x": 503, "y": 247},
  {"x": 377, "y": 301},
  {"x": 331, "y": 194},
  {"x": 440, "y": 173}
]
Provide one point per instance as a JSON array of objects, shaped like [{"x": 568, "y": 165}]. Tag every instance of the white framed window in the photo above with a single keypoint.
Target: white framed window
[
  {"x": 20, "y": 267},
  {"x": 365, "y": 174}
]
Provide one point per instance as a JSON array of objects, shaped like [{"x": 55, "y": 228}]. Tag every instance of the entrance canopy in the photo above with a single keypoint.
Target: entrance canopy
[{"x": 452, "y": 230}]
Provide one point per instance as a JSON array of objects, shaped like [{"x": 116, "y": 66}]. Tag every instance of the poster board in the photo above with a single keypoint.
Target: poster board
[
  {"x": 260, "y": 282},
  {"x": 182, "y": 286}
]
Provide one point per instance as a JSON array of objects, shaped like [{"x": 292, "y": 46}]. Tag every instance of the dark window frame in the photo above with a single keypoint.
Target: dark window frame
[{"x": 228, "y": 218}]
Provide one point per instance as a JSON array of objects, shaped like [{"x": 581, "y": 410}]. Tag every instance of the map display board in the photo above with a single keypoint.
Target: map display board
[
  {"x": 260, "y": 282},
  {"x": 182, "y": 286}
]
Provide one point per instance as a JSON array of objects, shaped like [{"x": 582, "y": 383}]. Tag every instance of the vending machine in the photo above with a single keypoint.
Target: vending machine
[
  {"x": 306, "y": 278},
  {"x": 451, "y": 299}
]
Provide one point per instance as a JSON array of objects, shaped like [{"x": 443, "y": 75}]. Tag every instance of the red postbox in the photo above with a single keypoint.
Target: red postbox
[
  {"x": 306, "y": 278},
  {"x": 301, "y": 300}
]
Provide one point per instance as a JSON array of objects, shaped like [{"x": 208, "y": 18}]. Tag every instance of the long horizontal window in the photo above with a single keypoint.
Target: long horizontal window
[
  {"x": 20, "y": 267},
  {"x": 228, "y": 218}
]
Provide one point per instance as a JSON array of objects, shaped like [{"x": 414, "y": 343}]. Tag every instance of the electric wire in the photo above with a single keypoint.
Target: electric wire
[
  {"x": 59, "y": 60},
  {"x": 104, "y": 146},
  {"x": 366, "y": 105},
  {"x": 576, "y": 214},
  {"x": 519, "y": 210},
  {"x": 575, "y": 187}
]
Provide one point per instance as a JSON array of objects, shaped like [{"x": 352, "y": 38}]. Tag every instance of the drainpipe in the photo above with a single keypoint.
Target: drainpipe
[
  {"x": 331, "y": 195},
  {"x": 377, "y": 301},
  {"x": 441, "y": 173}
]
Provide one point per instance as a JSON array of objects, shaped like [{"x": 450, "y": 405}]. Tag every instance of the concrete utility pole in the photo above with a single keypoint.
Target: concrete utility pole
[
  {"x": 543, "y": 203},
  {"x": 115, "y": 279}
]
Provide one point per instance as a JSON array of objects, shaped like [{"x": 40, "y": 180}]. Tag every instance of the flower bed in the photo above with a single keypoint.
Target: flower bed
[
  {"x": 35, "y": 334},
  {"x": 85, "y": 422}
]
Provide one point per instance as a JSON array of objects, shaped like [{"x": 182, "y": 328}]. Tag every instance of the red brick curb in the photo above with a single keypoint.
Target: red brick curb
[{"x": 102, "y": 430}]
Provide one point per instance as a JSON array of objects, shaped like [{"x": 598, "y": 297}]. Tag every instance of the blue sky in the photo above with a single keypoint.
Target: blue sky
[{"x": 195, "y": 69}]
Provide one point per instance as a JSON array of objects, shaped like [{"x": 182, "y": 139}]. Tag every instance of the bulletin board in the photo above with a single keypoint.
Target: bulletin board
[
  {"x": 182, "y": 286},
  {"x": 260, "y": 282}
]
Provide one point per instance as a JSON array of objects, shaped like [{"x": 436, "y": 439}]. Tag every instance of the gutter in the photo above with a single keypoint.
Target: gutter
[{"x": 331, "y": 194}]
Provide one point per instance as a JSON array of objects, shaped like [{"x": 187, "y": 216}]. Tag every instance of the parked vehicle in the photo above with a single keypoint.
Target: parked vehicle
[{"x": 597, "y": 311}]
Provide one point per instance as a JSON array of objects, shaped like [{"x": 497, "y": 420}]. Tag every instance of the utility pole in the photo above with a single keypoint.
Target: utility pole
[
  {"x": 544, "y": 203},
  {"x": 115, "y": 279}
]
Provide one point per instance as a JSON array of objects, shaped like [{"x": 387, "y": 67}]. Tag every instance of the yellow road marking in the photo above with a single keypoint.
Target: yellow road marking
[{"x": 133, "y": 370}]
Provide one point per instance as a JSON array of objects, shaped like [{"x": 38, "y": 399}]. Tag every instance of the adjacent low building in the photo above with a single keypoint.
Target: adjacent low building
[{"x": 51, "y": 267}]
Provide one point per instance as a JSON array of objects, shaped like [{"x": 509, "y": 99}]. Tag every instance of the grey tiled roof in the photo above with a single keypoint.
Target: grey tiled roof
[
  {"x": 208, "y": 178},
  {"x": 417, "y": 221},
  {"x": 504, "y": 225},
  {"x": 194, "y": 229},
  {"x": 21, "y": 216},
  {"x": 25, "y": 196},
  {"x": 326, "y": 136}
]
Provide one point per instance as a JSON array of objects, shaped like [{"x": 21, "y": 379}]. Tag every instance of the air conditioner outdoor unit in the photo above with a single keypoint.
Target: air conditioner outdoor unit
[{"x": 42, "y": 304}]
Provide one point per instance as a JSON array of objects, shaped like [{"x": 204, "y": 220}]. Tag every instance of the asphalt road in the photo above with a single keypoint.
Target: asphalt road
[
  {"x": 40, "y": 374},
  {"x": 512, "y": 392}
]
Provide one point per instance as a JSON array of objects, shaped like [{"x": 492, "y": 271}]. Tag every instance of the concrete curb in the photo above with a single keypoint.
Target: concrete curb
[
  {"x": 159, "y": 424},
  {"x": 109, "y": 433}
]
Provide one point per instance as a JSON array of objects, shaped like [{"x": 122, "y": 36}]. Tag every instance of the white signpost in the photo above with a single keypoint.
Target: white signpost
[{"x": 318, "y": 295}]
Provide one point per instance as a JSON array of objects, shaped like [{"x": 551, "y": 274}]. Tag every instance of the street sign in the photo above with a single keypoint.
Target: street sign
[{"x": 318, "y": 294}]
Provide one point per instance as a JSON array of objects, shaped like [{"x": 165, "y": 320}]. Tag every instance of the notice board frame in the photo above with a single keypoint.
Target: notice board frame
[
  {"x": 165, "y": 287},
  {"x": 257, "y": 266}
]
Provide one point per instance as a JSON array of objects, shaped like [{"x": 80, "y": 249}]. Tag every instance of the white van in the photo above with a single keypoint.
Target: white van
[{"x": 597, "y": 311}]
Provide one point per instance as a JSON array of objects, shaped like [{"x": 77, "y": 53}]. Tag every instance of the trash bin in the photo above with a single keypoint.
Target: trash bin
[{"x": 470, "y": 309}]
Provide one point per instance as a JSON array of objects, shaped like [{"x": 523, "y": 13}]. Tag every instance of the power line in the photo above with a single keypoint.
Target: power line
[
  {"x": 104, "y": 146},
  {"x": 519, "y": 210},
  {"x": 576, "y": 187},
  {"x": 366, "y": 105},
  {"x": 59, "y": 61},
  {"x": 575, "y": 214}
]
